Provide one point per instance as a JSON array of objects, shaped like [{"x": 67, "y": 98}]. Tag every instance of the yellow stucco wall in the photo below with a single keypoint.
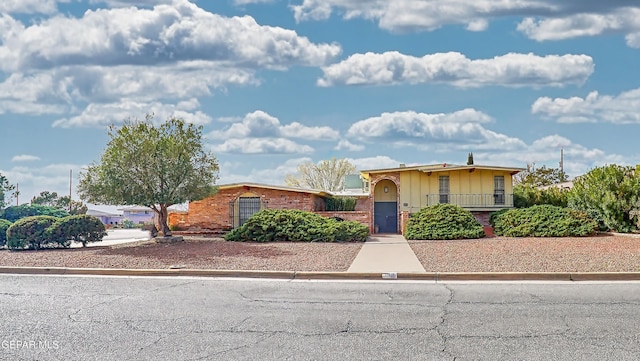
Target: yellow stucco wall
[
  {"x": 381, "y": 196},
  {"x": 416, "y": 185}
]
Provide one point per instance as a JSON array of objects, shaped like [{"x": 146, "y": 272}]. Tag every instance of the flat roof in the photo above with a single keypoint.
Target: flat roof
[
  {"x": 275, "y": 187},
  {"x": 443, "y": 167}
]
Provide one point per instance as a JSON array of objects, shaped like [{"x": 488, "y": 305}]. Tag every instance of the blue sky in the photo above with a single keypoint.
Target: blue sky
[{"x": 276, "y": 83}]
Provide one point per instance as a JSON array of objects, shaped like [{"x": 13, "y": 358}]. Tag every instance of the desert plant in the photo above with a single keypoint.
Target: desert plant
[
  {"x": 544, "y": 221},
  {"x": 443, "y": 221},
  {"x": 288, "y": 225},
  {"x": 4, "y": 225},
  {"x": 80, "y": 228},
  {"x": 29, "y": 232}
]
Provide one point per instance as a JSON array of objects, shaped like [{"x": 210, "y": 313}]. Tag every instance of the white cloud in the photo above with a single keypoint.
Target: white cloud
[
  {"x": 271, "y": 175},
  {"x": 625, "y": 20},
  {"x": 164, "y": 54},
  {"x": 261, "y": 146},
  {"x": 247, "y": 2},
  {"x": 29, "y": 6},
  {"x": 260, "y": 132},
  {"x": 376, "y": 162},
  {"x": 105, "y": 114},
  {"x": 33, "y": 180},
  {"x": 344, "y": 144},
  {"x": 511, "y": 69},
  {"x": 166, "y": 33},
  {"x": 621, "y": 109},
  {"x": 25, "y": 158},
  {"x": 578, "y": 159},
  {"x": 438, "y": 132},
  {"x": 544, "y": 19}
]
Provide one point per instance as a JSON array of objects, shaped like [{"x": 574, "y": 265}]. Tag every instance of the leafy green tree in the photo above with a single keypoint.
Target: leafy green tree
[
  {"x": 527, "y": 191},
  {"x": 609, "y": 194},
  {"x": 542, "y": 176},
  {"x": 4, "y": 225},
  {"x": 326, "y": 175},
  {"x": 151, "y": 165},
  {"x": 15, "y": 213},
  {"x": 52, "y": 199},
  {"x": 5, "y": 187}
]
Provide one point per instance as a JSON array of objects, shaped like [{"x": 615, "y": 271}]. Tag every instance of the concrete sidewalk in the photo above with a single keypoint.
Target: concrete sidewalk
[{"x": 386, "y": 253}]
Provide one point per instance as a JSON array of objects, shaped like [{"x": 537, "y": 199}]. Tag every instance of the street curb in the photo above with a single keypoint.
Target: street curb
[{"x": 310, "y": 275}]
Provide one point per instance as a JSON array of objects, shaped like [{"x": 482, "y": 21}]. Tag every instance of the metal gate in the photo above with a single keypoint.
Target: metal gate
[
  {"x": 385, "y": 216},
  {"x": 243, "y": 209}
]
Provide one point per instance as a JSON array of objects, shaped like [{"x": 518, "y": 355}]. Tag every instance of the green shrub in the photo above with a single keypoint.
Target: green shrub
[
  {"x": 544, "y": 221},
  {"x": 79, "y": 228},
  {"x": 127, "y": 223},
  {"x": 494, "y": 215},
  {"x": 4, "y": 225},
  {"x": 287, "y": 225},
  {"x": 527, "y": 195},
  {"x": 29, "y": 232},
  {"x": 443, "y": 221},
  {"x": 341, "y": 204},
  {"x": 15, "y": 213}
]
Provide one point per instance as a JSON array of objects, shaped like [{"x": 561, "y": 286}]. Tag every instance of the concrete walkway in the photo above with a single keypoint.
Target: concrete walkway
[{"x": 386, "y": 253}]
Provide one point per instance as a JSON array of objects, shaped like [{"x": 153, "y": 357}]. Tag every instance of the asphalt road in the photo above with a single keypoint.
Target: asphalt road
[{"x": 111, "y": 318}]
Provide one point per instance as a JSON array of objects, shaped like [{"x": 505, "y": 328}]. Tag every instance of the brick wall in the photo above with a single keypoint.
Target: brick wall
[
  {"x": 213, "y": 212},
  {"x": 482, "y": 217},
  {"x": 358, "y": 216}
]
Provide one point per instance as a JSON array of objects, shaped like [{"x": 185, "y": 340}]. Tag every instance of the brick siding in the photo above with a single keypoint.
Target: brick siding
[{"x": 212, "y": 213}]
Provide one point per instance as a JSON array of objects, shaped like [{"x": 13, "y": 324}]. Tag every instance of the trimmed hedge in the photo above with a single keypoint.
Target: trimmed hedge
[
  {"x": 79, "y": 228},
  {"x": 288, "y": 225},
  {"x": 39, "y": 232},
  {"x": 29, "y": 232},
  {"x": 4, "y": 225},
  {"x": 544, "y": 221},
  {"x": 15, "y": 213},
  {"x": 443, "y": 221}
]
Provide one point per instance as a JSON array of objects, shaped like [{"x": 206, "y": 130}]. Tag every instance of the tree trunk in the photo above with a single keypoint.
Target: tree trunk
[{"x": 163, "y": 220}]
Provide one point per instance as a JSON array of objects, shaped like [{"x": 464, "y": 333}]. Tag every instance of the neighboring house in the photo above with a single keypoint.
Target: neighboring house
[
  {"x": 107, "y": 218},
  {"x": 399, "y": 192},
  {"x": 385, "y": 197},
  {"x": 138, "y": 214}
]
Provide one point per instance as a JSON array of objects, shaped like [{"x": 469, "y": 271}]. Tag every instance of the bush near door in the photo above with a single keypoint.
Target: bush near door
[{"x": 443, "y": 221}]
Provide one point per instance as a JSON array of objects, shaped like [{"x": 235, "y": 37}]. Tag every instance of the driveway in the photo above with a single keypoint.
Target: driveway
[{"x": 118, "y": 236}]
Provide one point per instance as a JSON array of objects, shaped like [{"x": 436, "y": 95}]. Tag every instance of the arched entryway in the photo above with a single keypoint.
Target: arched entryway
[{"x": 385, "y": 207}]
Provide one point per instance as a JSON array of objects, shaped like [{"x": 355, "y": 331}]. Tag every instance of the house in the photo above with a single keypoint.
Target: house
[
  {"x": 385, "y": 197},
  {"x": 107, "y": 218},
  {"x": 398, "y": 192},
  {"x": 234, "y": 203},
  {"x": 138, "y": 214}
]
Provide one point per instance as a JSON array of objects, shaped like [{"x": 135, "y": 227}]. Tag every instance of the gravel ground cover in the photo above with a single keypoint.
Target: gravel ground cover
[
  {"x": 602, "y": 253},
  {"x": 195, "y": 253}
]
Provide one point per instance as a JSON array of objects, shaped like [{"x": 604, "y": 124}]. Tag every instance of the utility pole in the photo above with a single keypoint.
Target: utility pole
[
  {"x": 17, "y": 193},
  {"x": 70, "y": 180}
]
